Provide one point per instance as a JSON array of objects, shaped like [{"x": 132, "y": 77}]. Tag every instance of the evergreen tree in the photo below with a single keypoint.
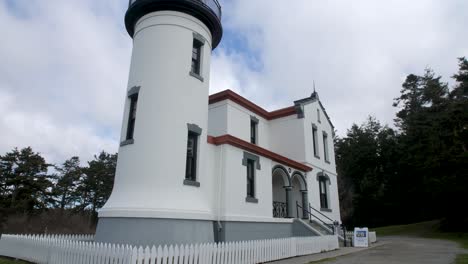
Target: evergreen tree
[
  {"x": 98, "y": 180},
  {"x": 25, "y": 184},
  {"x": 68, "y": 182}
]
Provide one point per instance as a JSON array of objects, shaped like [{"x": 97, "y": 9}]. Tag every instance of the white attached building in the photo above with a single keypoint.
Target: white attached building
[{"x": 200, "y": 168}]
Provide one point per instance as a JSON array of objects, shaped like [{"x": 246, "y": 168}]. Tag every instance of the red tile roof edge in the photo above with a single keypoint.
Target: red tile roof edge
[
  {"x": 230, "y": 95},
  {"x": 237, "y": 142}
]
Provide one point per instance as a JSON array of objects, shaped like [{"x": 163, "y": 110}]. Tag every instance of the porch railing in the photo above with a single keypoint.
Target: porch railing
[{"x": 280, "y": 210}]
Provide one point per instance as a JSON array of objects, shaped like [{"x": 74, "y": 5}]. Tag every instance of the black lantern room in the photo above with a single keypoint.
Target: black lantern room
[{"x": 208, "y": 11}]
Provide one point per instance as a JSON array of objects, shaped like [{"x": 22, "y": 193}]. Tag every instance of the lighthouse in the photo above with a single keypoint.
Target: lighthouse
[{"x": 160, "y": 195}]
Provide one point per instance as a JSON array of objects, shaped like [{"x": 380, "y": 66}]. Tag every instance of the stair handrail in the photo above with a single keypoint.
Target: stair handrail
[
  {"x": 310, "y": 207},
  {"x": 310, "y": 214}
]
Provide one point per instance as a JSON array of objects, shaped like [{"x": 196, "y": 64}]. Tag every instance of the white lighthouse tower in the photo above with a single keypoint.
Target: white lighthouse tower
[{"x": 157, "y": 197}]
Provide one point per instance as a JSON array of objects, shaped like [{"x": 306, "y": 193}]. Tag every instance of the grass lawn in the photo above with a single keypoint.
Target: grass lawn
[
  {"x": 10, "y": 261},
  {"x": 428, "y": 229}
]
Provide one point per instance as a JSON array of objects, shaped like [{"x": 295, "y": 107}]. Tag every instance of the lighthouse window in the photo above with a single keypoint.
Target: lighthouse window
[
  {"x": 191, "y": 163},
  {"x": 196, "y": 56},
  {"x": 132, "y": 116},
  {"x": 194, "y": 133}
]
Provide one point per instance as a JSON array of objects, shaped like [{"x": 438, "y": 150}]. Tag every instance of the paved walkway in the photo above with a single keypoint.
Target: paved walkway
[{"x": 390, "y": 250}]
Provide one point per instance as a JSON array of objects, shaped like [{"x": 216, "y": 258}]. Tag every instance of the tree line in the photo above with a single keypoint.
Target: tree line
[
  {"x": 419, "y": 169},
  {"x": 30, "y": 186}
]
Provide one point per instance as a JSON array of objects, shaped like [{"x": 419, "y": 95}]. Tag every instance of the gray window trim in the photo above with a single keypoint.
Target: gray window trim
[
  {"x": 199, "y": 37},
  {"x": 127, "y": 142},
  {"x": 325, "y": 209},
  {"x": 196, "y": 76},
  {"x": 133, "y": 91},
  {"x": 194, "y": 128},
  {"x": 251, "y": 157},
  {"x": 191, "y": 183},
  {"x": 251, "y": 199},
  {"x": 323, "y": 175},
  {"x": 254, "y": 119}
]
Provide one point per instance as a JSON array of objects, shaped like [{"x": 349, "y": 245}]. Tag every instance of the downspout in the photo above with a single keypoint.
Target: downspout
[{"x": 220, "y": 179}]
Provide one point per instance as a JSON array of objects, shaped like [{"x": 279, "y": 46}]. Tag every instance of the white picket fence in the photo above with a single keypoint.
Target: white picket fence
[{"x": 45, "y": 249}]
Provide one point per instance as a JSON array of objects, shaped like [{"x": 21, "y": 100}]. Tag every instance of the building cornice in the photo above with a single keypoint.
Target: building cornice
[
  {"x": 237, "y": 142},
  {"x": 230, "y": 95}
]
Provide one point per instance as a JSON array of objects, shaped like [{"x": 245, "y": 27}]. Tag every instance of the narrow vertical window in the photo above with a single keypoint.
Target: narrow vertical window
[
  {"x": 318, "y": 115},
  {"x": 132, "y": 116},
  {"x": 325, "y": 147},
  {"x": 191, "y": 163},
  {"x": 323, "y": 193},
  {"x": 253, "y": 130},
  {"x": 250, "y": 178},
  {"x": 315, "y": 141},
  {"x": 196, "y": 56},
  {"x": 251, "y": 163},
  {"x": 193, "y": 137}
]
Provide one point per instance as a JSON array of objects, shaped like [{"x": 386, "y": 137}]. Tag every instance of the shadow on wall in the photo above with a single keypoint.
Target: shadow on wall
[{"x": 49, "y": 222}]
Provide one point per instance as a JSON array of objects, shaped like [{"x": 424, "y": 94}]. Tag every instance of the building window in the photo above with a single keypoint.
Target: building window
[
  {"x": 325, "y": 147},
  {"x": 315, "y": 141},
  {"x": 323, "y": 193},
  {"x": 251, "y": 178},
  {"x": 252, "y": 163},
  {"x": 318, "y": 116},
  {"x": 253, "y": 130},
  {"x": 194, "y": 133},
  {"x": 197, "y": 56}
]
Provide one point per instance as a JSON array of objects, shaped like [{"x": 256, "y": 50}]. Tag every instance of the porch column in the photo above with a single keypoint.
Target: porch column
[
  {"x": 305, "y": 205},
  {"x": 289, "y": 201}
]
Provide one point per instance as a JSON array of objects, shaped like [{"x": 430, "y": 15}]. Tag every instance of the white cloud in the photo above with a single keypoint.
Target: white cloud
[
  {"x": 65, "y": 69},
  {"x": 356, "y": 51},
  {"x": 65, "y": 63}
]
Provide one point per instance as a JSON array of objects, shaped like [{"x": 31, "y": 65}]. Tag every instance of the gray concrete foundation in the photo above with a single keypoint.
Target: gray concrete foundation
[
  {"x": 153, "y": 231},
  {"x": 239, "y": 231},
  {"x": 159, "y": 231}
]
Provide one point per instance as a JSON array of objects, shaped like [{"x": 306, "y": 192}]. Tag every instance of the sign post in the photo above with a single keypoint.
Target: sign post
[{"x": 361, "y": 237}]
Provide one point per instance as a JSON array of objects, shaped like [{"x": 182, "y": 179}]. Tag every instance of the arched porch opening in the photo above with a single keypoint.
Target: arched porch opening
[
  {"x": 299, "y": 195},
  {"x": 281, "y": 187}
]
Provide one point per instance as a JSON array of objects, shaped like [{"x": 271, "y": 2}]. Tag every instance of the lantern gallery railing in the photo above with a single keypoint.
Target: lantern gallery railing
[
  {"x": 212, "y": 4},
  {"x": 280, "y": 210}
]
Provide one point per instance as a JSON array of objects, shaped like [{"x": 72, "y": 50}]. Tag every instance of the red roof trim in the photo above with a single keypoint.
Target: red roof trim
[
  {"x": 237, "y": 142},
  {"x": 230, "y": 95}
]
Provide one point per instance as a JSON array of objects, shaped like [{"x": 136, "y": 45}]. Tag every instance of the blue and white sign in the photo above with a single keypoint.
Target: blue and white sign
[{"x": 361, "y": 237}]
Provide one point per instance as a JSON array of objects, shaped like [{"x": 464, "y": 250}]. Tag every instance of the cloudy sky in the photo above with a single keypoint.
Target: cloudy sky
[{"x": 65, "y": 63}]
